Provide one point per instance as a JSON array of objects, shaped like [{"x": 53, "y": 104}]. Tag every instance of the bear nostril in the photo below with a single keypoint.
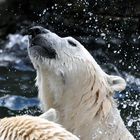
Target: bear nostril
[
  {"x": 34, "y": 31},
  {"x": 37, "y": 30}
]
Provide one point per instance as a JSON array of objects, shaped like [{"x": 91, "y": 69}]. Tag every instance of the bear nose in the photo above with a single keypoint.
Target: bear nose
[{"x": 37, "y": 30}]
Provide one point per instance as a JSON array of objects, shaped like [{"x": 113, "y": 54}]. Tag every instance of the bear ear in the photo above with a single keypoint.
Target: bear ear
[
  {"x": 50, "y": 115},
  {"x": 117, "y": 83}
]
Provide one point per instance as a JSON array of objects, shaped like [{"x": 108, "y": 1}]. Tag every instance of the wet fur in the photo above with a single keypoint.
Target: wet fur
[
  {"x": 32, "y": 128},
  {"x": 76, "y": 86}
]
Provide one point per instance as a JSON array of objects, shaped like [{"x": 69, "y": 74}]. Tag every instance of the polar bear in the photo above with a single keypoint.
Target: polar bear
[
  {"x": 33, "y": 128},
  {"x": 70, "y": 80}
]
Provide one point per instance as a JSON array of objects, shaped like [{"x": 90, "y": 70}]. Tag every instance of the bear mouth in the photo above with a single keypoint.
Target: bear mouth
[{"x": 39, "y": 47}]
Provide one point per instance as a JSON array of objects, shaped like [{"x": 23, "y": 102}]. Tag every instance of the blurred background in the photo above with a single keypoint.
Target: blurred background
[{"x": 109, "y": 29}]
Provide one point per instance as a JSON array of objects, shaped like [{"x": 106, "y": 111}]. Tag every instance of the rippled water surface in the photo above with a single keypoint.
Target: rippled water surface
[{"x": 18, "y": 93}]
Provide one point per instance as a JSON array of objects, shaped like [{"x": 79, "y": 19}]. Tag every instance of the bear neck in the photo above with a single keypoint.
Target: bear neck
[
  {"x": 80, "y": 107},
  {"x": 89, "y": 111}
]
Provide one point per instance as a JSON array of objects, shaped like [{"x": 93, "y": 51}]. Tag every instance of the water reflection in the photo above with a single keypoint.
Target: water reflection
[{"x": 18, "y": 102}]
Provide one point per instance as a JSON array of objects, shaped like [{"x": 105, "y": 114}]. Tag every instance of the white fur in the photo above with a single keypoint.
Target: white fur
[
  {"x": 50, "y": 115},
  {"x": 76, "y": 86},
  {"x": 33, "y": 128}
]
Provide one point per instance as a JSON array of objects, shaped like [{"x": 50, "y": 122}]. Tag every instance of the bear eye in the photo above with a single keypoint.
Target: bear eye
[{"x": 72, "y": 43}]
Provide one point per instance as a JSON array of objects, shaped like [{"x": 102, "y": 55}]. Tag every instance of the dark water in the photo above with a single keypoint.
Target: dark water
[
  {"x": 17, "y": 91},
  {"x": 18, "y": 95}
]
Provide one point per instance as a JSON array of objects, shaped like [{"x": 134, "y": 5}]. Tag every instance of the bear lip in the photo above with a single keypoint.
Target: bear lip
[{"x": 38, "y": 44}]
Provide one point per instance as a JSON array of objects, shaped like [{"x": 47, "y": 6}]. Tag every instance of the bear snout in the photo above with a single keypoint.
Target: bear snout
[
  {"x": 34, "y": 31},
  {"x": 40, "y": 45}
]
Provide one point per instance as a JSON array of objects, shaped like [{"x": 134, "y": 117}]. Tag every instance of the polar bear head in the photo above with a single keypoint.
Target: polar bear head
[{"x": 66, "y": 70}]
